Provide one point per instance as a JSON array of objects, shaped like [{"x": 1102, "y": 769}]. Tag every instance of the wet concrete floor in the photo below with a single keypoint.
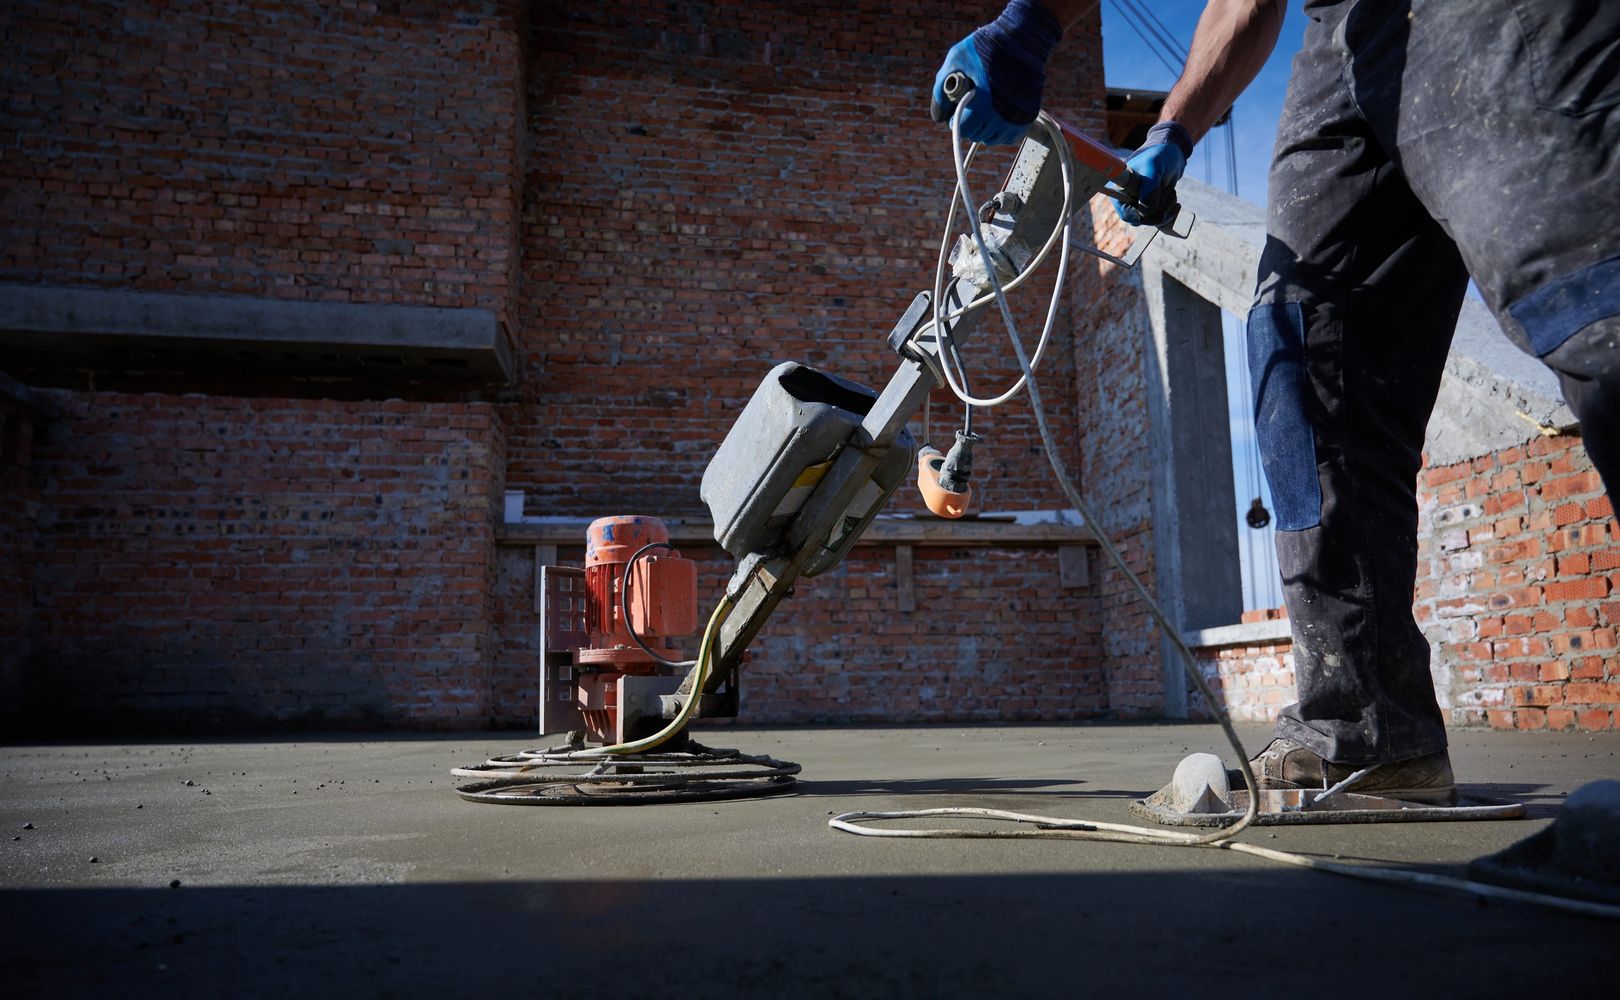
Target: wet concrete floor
[{"x": 346, "y": 866}]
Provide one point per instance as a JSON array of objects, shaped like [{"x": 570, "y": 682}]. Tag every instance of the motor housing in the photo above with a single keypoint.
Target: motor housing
[{"x": 617, "y": 683}]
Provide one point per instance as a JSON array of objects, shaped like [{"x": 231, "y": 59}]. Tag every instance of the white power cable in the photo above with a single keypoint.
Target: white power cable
[
  {"x": 1061, "y": 232},
  {"x": 1073, "y": 829}
]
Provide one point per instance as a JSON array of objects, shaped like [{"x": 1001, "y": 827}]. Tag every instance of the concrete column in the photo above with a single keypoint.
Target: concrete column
[{"x": 1198, "y": 576}]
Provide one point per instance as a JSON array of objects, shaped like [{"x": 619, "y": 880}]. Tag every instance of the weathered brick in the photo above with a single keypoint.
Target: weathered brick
[
  {"x": 1595, "y": 719},
  {"x": 1589, "y": 589},
  {"x": 1530, "y": 718},
  {"x": 1568, "y": 513}
]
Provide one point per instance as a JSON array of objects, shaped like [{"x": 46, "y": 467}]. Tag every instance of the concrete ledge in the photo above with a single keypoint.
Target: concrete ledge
[
  {"x": 1492, "y": 396},
  {"x": 28, "y": 399},
  {"x": 698, "y": 531},
  {"x": 120, "y": 330},
  {"x": 1247, "y": 634}
]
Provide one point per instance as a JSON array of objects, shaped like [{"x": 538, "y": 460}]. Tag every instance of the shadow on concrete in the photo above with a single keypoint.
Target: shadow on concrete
[
  {"x": 1108, "y": 934},
  {"x": 1540, "y": 800}
]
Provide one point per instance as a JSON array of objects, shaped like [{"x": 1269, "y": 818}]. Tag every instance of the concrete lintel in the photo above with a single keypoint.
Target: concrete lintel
[
  {"x": 117, "y": 328},
  {"x": 1247, "y": 634},
  {"x": 1492, "y": 395},
  {"x": 1221, "y": 254}
]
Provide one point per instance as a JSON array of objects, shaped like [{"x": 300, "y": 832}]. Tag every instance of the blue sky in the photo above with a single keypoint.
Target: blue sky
[{"x": 1128, "y": 62}]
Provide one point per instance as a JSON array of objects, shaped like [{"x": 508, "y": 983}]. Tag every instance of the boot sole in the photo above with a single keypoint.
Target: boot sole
[{"x": 1434, "y": 795}]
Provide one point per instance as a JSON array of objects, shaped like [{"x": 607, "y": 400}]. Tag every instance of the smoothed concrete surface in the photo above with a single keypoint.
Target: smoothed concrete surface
[{"x": 346, "y": 866}]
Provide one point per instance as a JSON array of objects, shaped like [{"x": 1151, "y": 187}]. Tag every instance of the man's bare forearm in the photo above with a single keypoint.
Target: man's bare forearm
[{"x": 1233, "y": 40}]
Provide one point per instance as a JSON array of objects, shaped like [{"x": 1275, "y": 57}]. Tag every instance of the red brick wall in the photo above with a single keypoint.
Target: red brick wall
[
  {"x": 706, "y": 189},
  {"x": 1518, "y": 566},
  {"x": 267, "y": 560},
  {"x": 994, "y": 637},
  {"x": 1253, "y": 681},
  {"x": 1522, "y": 563},
  {"x": 210, "y": 560},
  {"x": 718, "y": 187},
  {"x": 308, "y": 150}
]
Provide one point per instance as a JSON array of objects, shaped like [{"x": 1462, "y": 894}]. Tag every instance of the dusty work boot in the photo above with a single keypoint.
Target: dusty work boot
[{"x": 1286, "y": 764}]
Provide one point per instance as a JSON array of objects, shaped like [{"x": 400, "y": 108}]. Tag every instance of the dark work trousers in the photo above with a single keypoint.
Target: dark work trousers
[{"x": 1422, "y": 141}]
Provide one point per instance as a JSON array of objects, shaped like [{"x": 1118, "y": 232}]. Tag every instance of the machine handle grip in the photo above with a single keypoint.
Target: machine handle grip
[{"x": 956, "y": 87}]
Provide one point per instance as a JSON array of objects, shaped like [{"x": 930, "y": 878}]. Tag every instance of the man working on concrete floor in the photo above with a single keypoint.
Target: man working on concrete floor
[{"x": 1420, "y": 143}]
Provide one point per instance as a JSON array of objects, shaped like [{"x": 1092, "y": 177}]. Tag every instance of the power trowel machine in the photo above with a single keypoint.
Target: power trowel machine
[{"x": 811, "y": 460}]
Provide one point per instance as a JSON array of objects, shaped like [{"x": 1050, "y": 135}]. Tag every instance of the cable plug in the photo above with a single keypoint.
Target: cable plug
[{"x": 957, "y": 470}]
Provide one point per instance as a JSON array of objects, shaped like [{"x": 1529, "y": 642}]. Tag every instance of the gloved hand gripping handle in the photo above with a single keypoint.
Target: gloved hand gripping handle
[{"x": 1159, "y": 208}]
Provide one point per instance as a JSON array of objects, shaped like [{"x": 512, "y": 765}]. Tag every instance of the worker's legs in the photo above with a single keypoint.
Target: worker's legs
[
  {"x": 1357, "y": 300},
  {"x": 1505, "y": 117}
]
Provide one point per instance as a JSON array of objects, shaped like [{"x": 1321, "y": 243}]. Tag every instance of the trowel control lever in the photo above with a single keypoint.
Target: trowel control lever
[
  {"x": 1124, "y": 185},
  {"x": 944, "y": 480}
]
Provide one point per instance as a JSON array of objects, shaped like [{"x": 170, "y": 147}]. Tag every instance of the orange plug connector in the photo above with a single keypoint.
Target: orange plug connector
[{"x": 944, "y": 502}]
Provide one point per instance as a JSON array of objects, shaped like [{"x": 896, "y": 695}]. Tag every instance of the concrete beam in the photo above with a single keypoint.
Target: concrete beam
[
  {"x": 122, "y": 330},
  {"x": 1492, "y": 395}
]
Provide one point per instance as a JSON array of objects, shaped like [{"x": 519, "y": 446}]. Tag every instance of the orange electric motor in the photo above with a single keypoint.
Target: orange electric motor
[{"x": 634, "y": 553}]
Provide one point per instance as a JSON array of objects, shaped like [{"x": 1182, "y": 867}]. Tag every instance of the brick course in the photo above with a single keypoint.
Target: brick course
[
  {"x": 1514, "y": 552},
  {"x": 1517, "y": 608},
  {"x": 341, "y": 151},
  {"x": 220, "y": 560}
]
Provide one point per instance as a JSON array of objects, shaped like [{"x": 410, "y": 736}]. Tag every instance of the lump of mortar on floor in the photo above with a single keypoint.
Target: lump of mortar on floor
[
  {"x": 1586, "y": 835},
  {"x": 1577, "y": 856}
]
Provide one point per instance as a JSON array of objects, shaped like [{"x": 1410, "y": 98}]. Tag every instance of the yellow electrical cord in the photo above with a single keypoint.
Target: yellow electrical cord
[{"x": 704, "y": 658}]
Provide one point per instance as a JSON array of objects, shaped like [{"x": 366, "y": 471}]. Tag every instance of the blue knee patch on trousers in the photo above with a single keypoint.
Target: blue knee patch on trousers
[
  {"x": 1560, "y": 309},
  {"x": 1276, "y": 337}
]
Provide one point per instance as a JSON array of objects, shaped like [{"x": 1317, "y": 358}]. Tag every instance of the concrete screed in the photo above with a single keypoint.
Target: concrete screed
[{"x": 346, "y": 866}]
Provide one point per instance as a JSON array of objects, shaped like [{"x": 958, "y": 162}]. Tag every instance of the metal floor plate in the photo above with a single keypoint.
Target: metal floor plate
[
  {"x": 1292, "y": 806},
  {"x": 557, "y": 777}
]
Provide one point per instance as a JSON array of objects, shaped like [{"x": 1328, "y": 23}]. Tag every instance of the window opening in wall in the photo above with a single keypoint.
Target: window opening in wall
[{"x": 1257, "y": 546}]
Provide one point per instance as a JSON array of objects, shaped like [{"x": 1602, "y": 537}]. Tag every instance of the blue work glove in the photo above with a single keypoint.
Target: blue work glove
[
  {"x": 1159, "y": 163},
  {"x": 1006, "y": 60}
]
